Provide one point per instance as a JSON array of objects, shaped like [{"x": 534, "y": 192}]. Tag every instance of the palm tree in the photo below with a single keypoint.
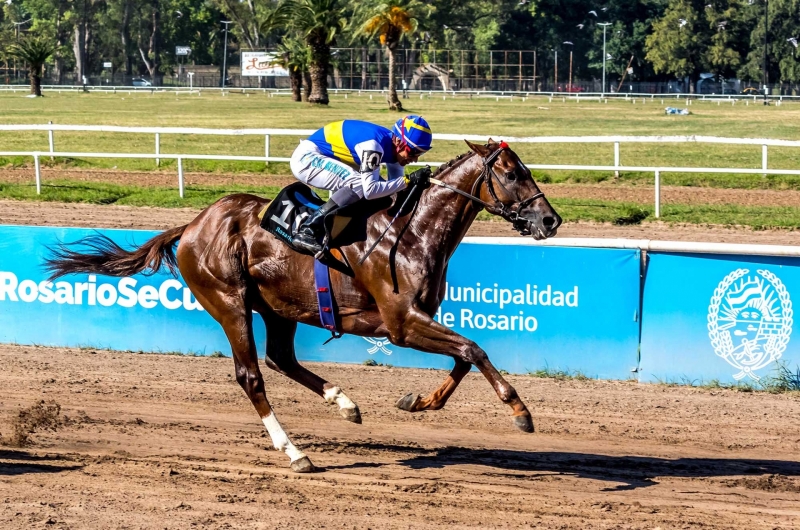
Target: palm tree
[
  {"x": 294, "y": 55},
  {"x": 389, "y": 20},
  {"x": 318, "y": 21},
  {"x": 35, "y": 51}
]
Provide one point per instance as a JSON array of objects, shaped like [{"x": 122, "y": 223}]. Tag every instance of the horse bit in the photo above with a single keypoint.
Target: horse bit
[{"x": 520, "y": 224}]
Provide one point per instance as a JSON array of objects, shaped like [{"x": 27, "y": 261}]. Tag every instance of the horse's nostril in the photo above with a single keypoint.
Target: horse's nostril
[{"x": 548, "y": 221}]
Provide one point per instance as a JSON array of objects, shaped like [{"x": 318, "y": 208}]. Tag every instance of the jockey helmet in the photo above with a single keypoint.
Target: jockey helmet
[{"x": 414, "y": 132}]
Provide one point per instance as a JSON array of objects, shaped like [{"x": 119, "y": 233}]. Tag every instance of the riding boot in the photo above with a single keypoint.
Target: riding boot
[{"x": 311, "y": 231}]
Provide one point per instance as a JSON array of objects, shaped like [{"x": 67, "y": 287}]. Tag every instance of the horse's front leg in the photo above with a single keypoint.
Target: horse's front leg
[{"x": 416, "y": 329}]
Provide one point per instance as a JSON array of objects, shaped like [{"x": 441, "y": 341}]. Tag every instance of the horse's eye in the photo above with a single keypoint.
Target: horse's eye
[{"x": 511, "y": 176}]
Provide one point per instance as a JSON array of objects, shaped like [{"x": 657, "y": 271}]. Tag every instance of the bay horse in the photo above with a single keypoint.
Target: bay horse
[{"x": 234, "y": 267}]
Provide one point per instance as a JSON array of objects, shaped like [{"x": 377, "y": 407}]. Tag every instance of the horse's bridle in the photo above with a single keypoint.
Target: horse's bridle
[{"x": 505, "y": 210}]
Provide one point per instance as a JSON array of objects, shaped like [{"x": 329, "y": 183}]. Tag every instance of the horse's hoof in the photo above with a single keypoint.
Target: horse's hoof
[
  {"x": 353, "y": 415},
  {"x": 524, "y": 423},
  {"x": 408, "y": 402},
  {"x": 303, "y": 465}
]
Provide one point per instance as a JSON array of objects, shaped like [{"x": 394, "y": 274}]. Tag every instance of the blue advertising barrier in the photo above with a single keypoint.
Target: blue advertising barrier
[
  {"x": 718, "y": 317},
  {"x": 528, "y": 307}
]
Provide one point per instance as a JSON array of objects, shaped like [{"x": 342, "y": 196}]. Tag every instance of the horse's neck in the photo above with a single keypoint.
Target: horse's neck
[{"x": 445, "y": 216}]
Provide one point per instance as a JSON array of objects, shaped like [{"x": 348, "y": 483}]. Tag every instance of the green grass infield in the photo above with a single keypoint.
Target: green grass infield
[{"x": 537, "y": 116}]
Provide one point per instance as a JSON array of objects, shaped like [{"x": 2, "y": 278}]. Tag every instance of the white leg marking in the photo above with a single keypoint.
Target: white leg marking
[
  {"x": 335, "y": 395},
  {"x": 279, "y": 438}
]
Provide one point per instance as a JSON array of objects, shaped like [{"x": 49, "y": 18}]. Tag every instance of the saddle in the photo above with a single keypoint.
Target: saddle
[{"x": 284, "y": 215}]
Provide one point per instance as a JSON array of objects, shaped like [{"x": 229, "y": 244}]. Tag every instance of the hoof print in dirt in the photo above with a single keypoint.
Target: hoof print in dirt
[
  {"x": 303, "y": 465},
  {"x": 524, "y": 423},
  {"x": 408, "y": 402},
  {"x": 353, "y": 415}
]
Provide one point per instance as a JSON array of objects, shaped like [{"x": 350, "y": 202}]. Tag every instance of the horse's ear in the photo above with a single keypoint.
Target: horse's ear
[{"x": 481, "y": 150}]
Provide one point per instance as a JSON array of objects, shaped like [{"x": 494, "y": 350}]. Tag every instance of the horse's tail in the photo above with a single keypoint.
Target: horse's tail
[{"x": 103, "y": 256}]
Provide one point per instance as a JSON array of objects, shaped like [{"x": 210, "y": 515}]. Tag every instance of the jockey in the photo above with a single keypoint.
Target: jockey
[{"x": 345, "y": 158}]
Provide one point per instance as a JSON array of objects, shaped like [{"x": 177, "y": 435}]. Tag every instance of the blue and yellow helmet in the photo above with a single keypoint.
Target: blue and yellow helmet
[{"x": 414, "y": 132}]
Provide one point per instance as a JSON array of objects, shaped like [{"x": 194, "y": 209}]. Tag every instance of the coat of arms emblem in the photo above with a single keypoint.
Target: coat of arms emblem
[
  {"x": 378, "y": 345},
  {"x": 750, "y": 320}
]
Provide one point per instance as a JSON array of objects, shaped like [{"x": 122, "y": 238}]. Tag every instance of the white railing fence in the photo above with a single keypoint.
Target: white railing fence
[
  {"x": 614, "y": 141},
  {"x": 647, "y": 245}
]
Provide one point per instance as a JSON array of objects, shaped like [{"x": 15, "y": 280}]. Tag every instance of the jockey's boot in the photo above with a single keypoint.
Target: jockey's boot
[{"x": 311, "y": 231}]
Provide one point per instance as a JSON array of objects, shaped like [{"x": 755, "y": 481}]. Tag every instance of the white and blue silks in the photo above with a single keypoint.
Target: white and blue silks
[{"x": 349, "y": 154}]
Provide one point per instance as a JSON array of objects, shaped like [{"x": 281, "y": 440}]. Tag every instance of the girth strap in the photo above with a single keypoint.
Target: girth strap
[{"x": 327, "y": 310}]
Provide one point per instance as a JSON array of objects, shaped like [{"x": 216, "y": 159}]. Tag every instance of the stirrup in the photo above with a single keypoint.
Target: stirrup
[
  {"x": 324, "y": 247},
  {"x": 313, "y": 247}
]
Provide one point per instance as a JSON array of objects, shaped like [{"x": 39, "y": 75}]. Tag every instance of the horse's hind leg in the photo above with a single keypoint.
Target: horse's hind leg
[
  {"x": 438, "y": 398},
  {"x": 226, "y": 303},
  {"x": 239, "y": 329},
  {"x": 281, "y": 358}
]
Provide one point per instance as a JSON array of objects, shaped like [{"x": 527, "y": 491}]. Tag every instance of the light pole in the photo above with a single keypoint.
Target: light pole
[
  {"x": 605, "y": 25},
  {"x": 555, "y": 70},
  {"x": 766, "y": 27},
  {"x": 225, "y": 55}
]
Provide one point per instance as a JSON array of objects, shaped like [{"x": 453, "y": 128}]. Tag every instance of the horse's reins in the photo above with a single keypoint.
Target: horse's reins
[{"x": 486, "y": 175}]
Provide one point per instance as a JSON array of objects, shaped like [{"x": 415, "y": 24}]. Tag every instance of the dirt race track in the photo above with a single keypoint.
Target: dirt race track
[
  {"x": 157, "y": 441},
  {"x": 115, "y": 216}
]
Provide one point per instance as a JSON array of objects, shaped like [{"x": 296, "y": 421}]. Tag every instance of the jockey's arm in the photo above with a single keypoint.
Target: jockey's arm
[
  {"x": 371, "y": 155},
  {"x": 375, "y": 187}
]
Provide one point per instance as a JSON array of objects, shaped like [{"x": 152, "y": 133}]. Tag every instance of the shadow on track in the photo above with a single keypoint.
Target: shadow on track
[
  {"x": 631, "y": 472},
  {"x": 25, "y": 463}
]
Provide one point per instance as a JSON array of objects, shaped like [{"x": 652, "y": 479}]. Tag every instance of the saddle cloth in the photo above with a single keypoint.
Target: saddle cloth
[
  {"x": 286, "y": 212},
  {"x": 284, "y": 215}
]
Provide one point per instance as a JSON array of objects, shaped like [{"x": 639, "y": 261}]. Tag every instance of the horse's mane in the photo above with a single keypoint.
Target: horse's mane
[{"x": 447, "y": 165}]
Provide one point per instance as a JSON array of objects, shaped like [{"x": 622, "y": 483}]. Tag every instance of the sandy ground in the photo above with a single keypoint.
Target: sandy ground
[
  {"x": 157, "y": 441},
  {"x": 113, "y": 216}
]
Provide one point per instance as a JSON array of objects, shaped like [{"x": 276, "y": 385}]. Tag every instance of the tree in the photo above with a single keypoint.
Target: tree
[
  {"x": 35, "y": 51},
  {"x": 294, "y": 55},
  {"x": 783, "y": 57},
  {"x": 51, "y": 17},
  {"x": 389, "y": 21},
  {"x": 148, "y": 40},
  {"x": 83, "y": 14},
  {"x": 255, "y": 20},
  {"x": 678, "y": 41},
  {"x": 318, "y": 21}
]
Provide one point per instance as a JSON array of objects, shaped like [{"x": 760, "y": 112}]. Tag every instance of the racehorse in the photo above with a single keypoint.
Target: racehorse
[{"x": 234, "y": 267}]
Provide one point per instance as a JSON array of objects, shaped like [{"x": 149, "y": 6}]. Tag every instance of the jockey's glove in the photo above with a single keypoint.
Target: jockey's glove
[{"x": 420, "y": 177}]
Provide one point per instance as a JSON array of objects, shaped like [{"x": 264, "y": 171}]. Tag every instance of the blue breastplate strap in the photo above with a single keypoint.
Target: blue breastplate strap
[{"x": 327, "y": 311}]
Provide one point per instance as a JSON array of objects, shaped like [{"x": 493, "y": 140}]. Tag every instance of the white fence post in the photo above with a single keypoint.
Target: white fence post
[
  {"x": 51, "y": 140},
  {"x": 658, "y": 194},
  {"x": 180, "y": 177},
  {"x": 616, "y": 158},
  {"x": 38, "y": 174},
  {"x": 158, "y": 149},
  {"x": 266, "y": 148},
  {"x": 764, "y": 158}
]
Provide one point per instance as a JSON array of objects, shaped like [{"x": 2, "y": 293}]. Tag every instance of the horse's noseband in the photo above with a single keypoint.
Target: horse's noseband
[{"x": 505, "y": 210}]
